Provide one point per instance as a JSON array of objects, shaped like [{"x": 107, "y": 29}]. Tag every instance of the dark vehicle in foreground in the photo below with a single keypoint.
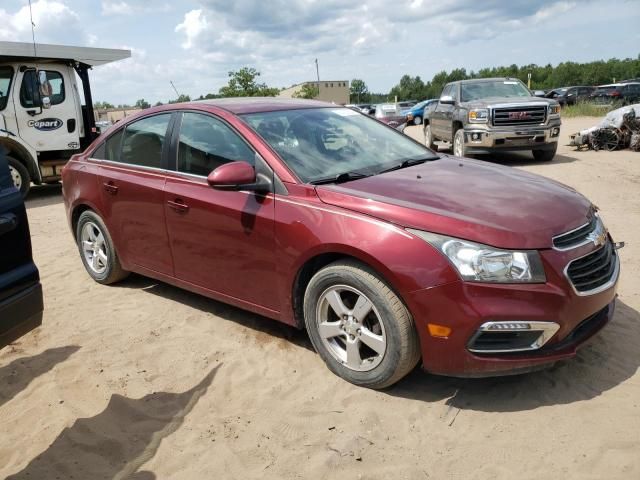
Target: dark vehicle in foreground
[
  {"x": 416, "y": 113},
  {"x": 616, "y": 93},
  {"x": 570, "y": 95},
  {"x": 493, "y": 114},
  {"x": 21, "y": 302},
  {"x": 323, "y": 218}
]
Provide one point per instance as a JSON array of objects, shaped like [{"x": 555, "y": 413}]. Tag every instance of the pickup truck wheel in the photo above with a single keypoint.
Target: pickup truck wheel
[
  {"x": 428, "y": 138},
  {"x": 417, "y": 120},
  {"x": 359, "y": 326},
  {"x": 544, "y": 155},
  {"x": 459, "y": 149},
  {"x": 97, "y": 251},
  {"x": 20, "y": 176}
]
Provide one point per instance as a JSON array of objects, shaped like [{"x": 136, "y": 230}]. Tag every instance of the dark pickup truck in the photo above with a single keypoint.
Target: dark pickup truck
[
  {"x": 492, "y": 114},
  {"x": 21, "y": 302}
]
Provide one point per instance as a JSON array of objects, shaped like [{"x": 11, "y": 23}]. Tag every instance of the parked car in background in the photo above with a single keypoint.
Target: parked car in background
[
  {"x": 616, "y": 93},
  {"x": 492, "y": 114},
  {"x": 21, "y": 303},
  {"x": 416, "y": 113},
  {"x": 390, "y": 113},
  {"x": 570, "y": 95},
  {"x": 322, "y": 218}
]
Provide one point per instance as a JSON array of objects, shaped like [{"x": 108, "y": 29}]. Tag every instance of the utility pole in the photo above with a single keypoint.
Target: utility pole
[
  {"x": 318, "y": 76},
  {"x": 174, "y": 89}
]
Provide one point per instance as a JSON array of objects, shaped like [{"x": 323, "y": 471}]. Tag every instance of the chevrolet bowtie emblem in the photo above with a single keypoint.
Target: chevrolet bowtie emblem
[{"x": 598, "y": 236}]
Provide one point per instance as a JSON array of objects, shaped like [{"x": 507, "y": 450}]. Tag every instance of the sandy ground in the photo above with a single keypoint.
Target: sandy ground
[{"x": 142, "y": 380}]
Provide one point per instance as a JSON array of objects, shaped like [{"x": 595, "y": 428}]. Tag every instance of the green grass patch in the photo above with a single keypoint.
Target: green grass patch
[{"x": 586, "y": 109}]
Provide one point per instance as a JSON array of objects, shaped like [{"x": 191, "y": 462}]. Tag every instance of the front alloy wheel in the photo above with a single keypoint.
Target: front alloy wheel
[{"x": 458, "y": 143}]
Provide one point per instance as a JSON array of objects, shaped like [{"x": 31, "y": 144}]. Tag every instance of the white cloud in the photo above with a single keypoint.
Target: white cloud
[
  {"x": 116, "y": 8},
  {"x": 194, "y": 24}
]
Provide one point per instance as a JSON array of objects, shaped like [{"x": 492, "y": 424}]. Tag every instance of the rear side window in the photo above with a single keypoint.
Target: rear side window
[
  {"x": 143, "y": 141},
  {"x": 52, "y": 87},
  {"x": 206, "y": 143}
]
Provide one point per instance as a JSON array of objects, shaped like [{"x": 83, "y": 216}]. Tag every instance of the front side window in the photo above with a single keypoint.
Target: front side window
[
  {"x": 6, "y": 74},
  {"x": 51, "y": 85},
  {"x": 322, "y": 142},
  {"x": 110, "y": 149},
  {"x": 206, "y": 143},
  {"x": 143, "y": 141}
]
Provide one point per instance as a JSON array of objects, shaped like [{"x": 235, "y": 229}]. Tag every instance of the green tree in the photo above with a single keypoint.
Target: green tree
[
  {"x": 158, "y": 103},
  {"x": 181, "y": 98},
  {"x": 142, "y": 103},
  {"x": 409, "y": 88},
  {"x": 102, "y": 105},
  {"x": 358, "y": 91},
  {"x": 243, "y": 83},
  {"x": 308, "y": 90}
]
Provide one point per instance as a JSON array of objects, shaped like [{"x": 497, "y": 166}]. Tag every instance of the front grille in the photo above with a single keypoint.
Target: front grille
[
  {"x": 519, "y": 115},
  {"x": 575, "y": 237},
  {"x": 594, "y": 270}
]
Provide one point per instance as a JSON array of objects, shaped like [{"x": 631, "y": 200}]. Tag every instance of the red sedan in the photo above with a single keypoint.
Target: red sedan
[{"x": 323, "y": 218}]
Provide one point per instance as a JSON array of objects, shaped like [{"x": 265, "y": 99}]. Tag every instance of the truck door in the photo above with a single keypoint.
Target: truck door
[
  {"x": 438, "y": 123},
  {"x": 45, "y": 105}
]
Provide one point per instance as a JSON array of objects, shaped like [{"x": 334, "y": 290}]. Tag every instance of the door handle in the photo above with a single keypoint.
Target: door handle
[
  {"x": 178, "y": 206},
  {"x": 110, "y": 188},
  {"x": 8, "y": 222}
]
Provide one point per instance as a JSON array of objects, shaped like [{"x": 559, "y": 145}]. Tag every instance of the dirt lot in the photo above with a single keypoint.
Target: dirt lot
[{"x": 143, "y": 377}]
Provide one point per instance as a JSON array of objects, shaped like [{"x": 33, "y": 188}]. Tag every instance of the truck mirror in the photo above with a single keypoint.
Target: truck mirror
[{"x": 45, "y": 89}]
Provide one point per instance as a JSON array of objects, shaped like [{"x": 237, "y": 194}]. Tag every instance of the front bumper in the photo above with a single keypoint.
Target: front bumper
[
  {"x": 483, "y": 138},
  {"x": 466, "y": 306}
]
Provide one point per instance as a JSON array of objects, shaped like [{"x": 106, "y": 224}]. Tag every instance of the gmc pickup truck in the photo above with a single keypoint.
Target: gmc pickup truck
[{"x": 491, "y": 114}]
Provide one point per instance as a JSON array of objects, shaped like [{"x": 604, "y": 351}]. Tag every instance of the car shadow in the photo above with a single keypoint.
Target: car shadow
[
  {"x": 118, "y": 441},
  {"x": 17, "y": 375},
  {"x": 611, "y": 358},
  {"x": 517, "y": 159},
  {"x": 268, "y": 327},
  {"x": 44, "y": 195}
]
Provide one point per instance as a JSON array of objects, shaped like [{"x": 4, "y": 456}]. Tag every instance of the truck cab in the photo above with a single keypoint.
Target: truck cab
[{"x": 42, "y": 119}]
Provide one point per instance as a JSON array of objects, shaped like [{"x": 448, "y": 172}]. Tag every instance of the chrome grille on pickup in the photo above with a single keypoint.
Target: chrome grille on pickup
[
  {"x": 594, "y": 270},
  {"x": 519, "y": 115},
  {"x": 578, "y": 236}
]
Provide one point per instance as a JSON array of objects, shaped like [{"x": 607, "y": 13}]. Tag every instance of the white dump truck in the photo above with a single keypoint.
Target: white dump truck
[{"x": 42, "y": 119}]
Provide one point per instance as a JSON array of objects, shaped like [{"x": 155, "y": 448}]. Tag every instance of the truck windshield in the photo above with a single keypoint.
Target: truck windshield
[
  {"x": 6, "y": 74},
  {"x": 317, "y": 143},
  {"x": 493, "y": 88}
]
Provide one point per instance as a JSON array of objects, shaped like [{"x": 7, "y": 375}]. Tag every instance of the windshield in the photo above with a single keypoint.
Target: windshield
[
  {"x": 6, "y": 73},
  {"x": 493, "y": 88},
  {"x": 324, "y": 142}
]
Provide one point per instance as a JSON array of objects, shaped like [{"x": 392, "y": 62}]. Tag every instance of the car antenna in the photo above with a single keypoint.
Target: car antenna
[{"x": 33, "y": 36}]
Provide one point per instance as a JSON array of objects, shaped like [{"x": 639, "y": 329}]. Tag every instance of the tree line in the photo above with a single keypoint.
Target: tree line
[{"x": 244, "y": 82}]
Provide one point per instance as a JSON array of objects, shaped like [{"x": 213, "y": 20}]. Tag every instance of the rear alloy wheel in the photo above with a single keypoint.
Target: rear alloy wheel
[
  {"x": 359, "y": 326},
  {"x": 97, "y": 251},
  {"x": 417, "y": 120},
  {"x": 20, "y": 176},
  {"x": 428, "y": 138}
]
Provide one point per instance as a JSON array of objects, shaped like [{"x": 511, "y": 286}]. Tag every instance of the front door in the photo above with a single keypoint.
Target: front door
[
  {"x": 45, "y": 129},
  {"x": 222, "y": 241},
  {"x": 132, "y": 179}
]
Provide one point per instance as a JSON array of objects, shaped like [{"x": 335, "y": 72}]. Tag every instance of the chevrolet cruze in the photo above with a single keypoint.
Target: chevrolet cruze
[{"x": 323, "y": 218}]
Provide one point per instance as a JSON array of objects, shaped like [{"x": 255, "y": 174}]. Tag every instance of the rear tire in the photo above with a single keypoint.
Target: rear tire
[
  {"x": 20, "y": 176},
  {"x": 359, "y": 326},
  {"x": 417, "y": 120},
  {"x": 97, "y": 251},
  {"x": 544, "y": 155}
]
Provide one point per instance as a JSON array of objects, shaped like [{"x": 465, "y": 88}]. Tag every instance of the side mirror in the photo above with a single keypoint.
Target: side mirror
[
  {"x": 447, "y": 100},
  {"x": 238, "y": 175},
  {"x": 539, "y": 93},
  {"x": 44, "y": 89}
]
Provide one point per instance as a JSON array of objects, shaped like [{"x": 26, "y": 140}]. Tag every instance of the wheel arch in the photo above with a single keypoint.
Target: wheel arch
[{"x": 21, "y": 153}]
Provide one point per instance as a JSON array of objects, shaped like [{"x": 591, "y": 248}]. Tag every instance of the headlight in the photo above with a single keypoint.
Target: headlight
[
  {"x": 480, "y": 263},
  {"x": 478, "y": 115},
  {"x": 554, "y": 110}
]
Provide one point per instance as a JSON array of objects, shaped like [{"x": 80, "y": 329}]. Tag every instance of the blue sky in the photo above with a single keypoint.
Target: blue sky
[{"x": 196, "y": 42}]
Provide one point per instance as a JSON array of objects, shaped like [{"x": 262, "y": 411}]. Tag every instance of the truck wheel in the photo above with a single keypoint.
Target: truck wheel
[
  {"x": 545, "y": 155},
  {"x": 459, "y": 149},
  {"x": 359, "y": 326},
  {"x": 428, "y": 138},
  {"x": 97, "y": 250},
  {"x": 417, "y": 120},
  {"x": 20, "y": 176}
]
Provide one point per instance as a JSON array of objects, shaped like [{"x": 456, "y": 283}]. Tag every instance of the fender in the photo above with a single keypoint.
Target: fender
[{"x": 23, "y": 152}]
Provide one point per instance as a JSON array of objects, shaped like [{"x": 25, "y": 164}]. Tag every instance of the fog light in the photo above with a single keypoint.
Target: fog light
[
  {"x": 439, "y": 331},
  {"x": 475, "y": 136},
  {"x": 555, "y": 131}
]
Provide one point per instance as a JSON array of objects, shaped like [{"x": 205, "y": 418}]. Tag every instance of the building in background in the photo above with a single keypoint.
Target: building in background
[
  {"x": 336, "y": 91},
  {"x": 113, "y": 115}
]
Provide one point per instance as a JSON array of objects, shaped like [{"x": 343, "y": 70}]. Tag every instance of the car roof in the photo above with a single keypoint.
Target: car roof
[{"x": 241, "y": 105}]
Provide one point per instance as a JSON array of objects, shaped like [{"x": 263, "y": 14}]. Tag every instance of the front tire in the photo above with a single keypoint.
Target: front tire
[
  {"x": 545, "y": 155},
  {"x": 20, "y": 176},
  {"x": 428, "y": 138},
  {"x": 359, "y": 326},
  {"x": 459, "y": 148},
  {"x": 97, "y": 251}
]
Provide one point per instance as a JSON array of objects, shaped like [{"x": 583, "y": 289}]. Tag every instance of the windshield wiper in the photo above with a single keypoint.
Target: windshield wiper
[
  {"x": 341, "y": 177},
  {"x": 409, "y": 163}
]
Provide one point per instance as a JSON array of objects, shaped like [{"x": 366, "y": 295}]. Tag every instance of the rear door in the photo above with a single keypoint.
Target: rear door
[
  {"x": 438, "y": 115},
  {"x": 21, "y": 302},
  {"x": 132, "y": 178}
]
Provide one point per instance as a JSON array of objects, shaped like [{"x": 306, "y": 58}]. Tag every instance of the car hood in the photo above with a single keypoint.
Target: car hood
[
  {"x": 507, "y": 102},
  {"x": 478, "y": 201}
]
